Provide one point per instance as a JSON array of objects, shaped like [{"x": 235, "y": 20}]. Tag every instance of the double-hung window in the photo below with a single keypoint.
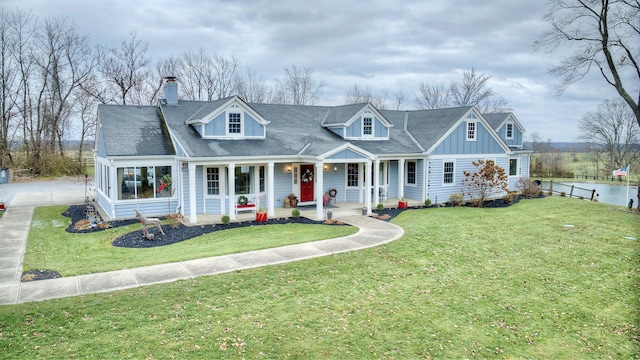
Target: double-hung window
[
  {"x": 367, "y": 126},
  {"x": 411, "y": 172},
  {"x": 447, "y": 173},
  {"x": 353, "y": 179},
  {"x": 235, "y": 123},
  {"x": 213, "y": 181},
  {"x": 513, "y": 167},
  {"x": 509, "y": 131},
  {"x": 471, "y": 130}
]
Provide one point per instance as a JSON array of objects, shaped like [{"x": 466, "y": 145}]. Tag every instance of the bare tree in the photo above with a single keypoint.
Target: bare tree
[
  {"x": 251, "y": 87},
  {"x": 399, "y": 98},
  {"x": 432, "y": 96},
  {"x": 602, "y": 34},
  {"x": 358, "y": 95},
  {"x": 472, "y": 90},
  {"x": 299, "y": 87},
  {"x": 612, "y": 128},
  {"x": 124, "y": 71},
  {"x": 9, "y": 87}
]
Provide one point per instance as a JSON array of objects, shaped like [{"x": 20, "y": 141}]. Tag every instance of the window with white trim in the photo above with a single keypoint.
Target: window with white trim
[
  {"x": 471, "y": 130},
  {"x": 353, "y": 179},
  {"x": 447, "y": 173},
  {"x": 513, "y": 167},
  {"x": 509, "y": 131},
  {"x": 213, "y": 181},
  {"x": 367, "y": 126},
  {"x": 235, "y": 123},
  {"x": 411, "y": 172}
]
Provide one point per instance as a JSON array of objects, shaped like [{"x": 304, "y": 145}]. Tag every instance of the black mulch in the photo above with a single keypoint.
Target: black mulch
[
  {"x": 33, "y": 275},
  {"x": 393, "y": 212},
  {"x": 172, "y": 235},
  {"x": 77, "y": 213}
]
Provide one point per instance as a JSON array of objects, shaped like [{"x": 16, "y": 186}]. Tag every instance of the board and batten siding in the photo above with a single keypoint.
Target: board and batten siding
[{"x": 456, "y": 143}]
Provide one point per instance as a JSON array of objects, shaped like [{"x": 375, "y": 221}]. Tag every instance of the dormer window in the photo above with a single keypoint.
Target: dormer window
[
  {"x": 509, "y": 131},
  {"x": 367, "y": 126},
  {"x": 234, "y": 123},
  {"x": 471, "y": 131}
]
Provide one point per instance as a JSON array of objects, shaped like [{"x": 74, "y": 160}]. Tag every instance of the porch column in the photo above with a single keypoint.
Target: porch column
[
  {"x": 400, "y": 178},
  {"x": 319, "y": 186},
  {"x": 376, "y": 182},
  {"x": 193, "y": 218},
  {"x": 231, "y": 181},
  {"x": 367, "y": 186},
  {"x": 270, "y": 190}
]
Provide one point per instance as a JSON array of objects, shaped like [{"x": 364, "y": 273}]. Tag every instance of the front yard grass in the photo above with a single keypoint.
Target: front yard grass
[
  {"x": 462, "y": 283},
  {"x": 50, "y": 247}
]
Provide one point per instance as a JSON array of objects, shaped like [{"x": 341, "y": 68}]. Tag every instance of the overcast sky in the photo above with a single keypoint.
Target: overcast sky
[{"x": 377, "y": 44}]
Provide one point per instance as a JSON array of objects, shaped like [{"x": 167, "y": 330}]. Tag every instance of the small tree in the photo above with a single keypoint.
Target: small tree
[{"x": 489, "y": 179}]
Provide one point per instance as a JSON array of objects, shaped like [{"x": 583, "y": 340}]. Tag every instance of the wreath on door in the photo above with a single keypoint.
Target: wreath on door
[{"x": 307, "y": 176}]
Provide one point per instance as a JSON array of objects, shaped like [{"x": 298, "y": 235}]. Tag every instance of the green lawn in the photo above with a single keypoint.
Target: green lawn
[
  {"x": 462, "y": 283},
  {"x": 50, "y": 247}
]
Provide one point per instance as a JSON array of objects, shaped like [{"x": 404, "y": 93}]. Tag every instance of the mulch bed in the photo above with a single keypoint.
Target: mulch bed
[
  {"x": 33, "y": 275},
  {"x": 172, "y": 235}
]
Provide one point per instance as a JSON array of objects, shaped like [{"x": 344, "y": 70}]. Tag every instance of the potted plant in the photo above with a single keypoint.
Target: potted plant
[
  {"x": 261, "y": 215},
  {"x": 402, "y": 203},
  {"x": 329, "y": 214}
]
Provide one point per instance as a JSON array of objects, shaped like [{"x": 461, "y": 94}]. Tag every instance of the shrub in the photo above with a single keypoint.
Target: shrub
[
  {"x": 456, "y": 199},
  {"x": 225, "y": 219},
  {"x": 427, "y": 203},
  {"x": 380, "y": 207},
  {"x": 510, "y": 197},
  {"x": 488, "y": 179},
  {"x": 295, "y": 213},
  {"x": 528, "y": 188},
  {"x": 563, "y": 194},
  {"x": 477, "y": 202}
]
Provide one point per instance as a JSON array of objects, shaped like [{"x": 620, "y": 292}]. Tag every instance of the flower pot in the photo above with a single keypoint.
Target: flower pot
[
  {"x": 403, "y": 204},
  {"x": 364, "y": 211},
  {"x": 261, "y": 217},
  {"x": 329, "y": 214}
]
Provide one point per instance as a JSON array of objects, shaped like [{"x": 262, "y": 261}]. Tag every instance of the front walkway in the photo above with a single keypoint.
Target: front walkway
[{"x": 16, "y": 222}]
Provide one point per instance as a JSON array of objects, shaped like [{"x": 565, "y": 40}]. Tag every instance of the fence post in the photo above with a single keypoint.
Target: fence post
[
  {"x": 571, "y": 192},
  {"x": 551, "y": 187}
]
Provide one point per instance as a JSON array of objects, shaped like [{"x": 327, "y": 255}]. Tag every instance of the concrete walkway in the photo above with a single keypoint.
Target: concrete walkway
[{"x": 14, "y": 229}]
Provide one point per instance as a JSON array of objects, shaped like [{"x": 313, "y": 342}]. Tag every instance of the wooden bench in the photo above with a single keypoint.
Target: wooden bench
[{"x": 247, "y": 207}]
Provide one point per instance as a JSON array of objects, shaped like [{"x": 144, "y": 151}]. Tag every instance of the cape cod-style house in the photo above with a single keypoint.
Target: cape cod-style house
[{"x": 202, "y": 157}]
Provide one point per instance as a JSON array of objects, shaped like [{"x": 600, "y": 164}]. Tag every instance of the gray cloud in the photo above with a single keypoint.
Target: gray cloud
[{"x": 379, "y": 44}]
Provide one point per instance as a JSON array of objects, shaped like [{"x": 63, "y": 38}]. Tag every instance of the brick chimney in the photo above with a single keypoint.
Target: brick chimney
[{"x": 171, "y": 91}]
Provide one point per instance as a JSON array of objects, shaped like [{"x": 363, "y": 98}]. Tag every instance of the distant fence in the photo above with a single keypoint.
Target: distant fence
[
  {"x": 567, "y": 190},
  {"x": 601, "y": 178}
]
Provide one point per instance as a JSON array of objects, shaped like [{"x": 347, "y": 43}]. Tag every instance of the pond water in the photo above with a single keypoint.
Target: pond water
[{"x": 611, "y": 194}]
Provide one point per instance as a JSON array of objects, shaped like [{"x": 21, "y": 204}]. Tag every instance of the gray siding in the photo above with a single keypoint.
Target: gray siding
[
  {"x": 252, "y": 127},
  {"x": 355, "y": 129},
  {"x": 102, "y": 148},
  {"x": 380, "y": 130},
  {"x": 457, "y": 144},
  {"x": 216, "y": 127},
  {"x": 345, "y": 155},
  {"x": 414, "y": 192}
]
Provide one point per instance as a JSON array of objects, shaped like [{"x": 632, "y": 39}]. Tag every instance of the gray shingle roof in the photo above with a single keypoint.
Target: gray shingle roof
[
  {"x": 133, "y": 131},
  {"x": 495, "y": 120},
  {"x": 293, "y": 130},
  {"x": 427, "y": 126}
]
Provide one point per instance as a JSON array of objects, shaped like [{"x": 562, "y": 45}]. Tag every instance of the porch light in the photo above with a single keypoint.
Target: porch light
[
  {"x": 289, "y": 168},
  {"x": 326, "y": 167},
  {"x": 335, "y": 168}
]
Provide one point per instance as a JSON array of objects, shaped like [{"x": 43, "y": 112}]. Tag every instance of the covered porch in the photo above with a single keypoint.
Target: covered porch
[{"x": 339, "y": 211}]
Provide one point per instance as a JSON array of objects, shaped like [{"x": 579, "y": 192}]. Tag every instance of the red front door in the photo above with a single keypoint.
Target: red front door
[{"x": 306, "y": 183}]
